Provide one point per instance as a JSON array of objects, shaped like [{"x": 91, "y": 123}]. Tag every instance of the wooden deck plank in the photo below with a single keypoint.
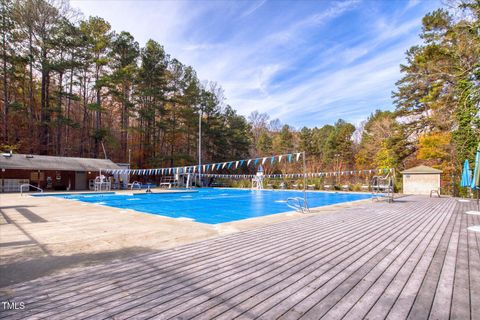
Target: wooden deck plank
[
  {"x": 415, "y": 266},
  {"x": 335, "y": 295},
  {"x": 215, "y": 261},
  {"x": 199, "y": 252},
  {"x": 358, "y": 302},
  {"x": 355, "y": 272},
  {"x": 261, "y": 303},
  {"x": 443, "y": 295},
  {"x": 158, "y": 298},
  {"x": 182, "y": 254},
  {"x": 383, "y": 260},
  {"x": 56, "y": 283},
  {"x": 282, "y": 301},
  {"x": 232, "y": 299},
  {"x": 405, "y": 300},
  {"x": 474, "y": 267},
  {"x": 189, "y": 251},
  {"x": 172, "y": 264},
  {"x": 461, "y": 286},
  {"x": 426, "y": 293},
  {"x": 154, "y": 286}
]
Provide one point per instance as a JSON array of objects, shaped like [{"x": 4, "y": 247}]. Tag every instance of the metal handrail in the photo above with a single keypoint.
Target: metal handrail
[
  {"x": 29, "y": 185},
  {"x": 298, "y": 204},
  {"x": 136, "y": 183},
  {"x": 382, "y": 187}
]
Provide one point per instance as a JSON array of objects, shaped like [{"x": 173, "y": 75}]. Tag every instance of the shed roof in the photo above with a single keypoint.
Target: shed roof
[
  {"x": 422, "y": 169},
  {"x": 36, "y": 162}
]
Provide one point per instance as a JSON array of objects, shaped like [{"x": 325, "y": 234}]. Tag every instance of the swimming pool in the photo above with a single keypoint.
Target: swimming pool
[{"x": 212, "y": 205}]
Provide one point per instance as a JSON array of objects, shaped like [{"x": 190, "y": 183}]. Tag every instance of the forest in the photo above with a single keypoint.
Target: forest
[{"x": 72, "y": 86}]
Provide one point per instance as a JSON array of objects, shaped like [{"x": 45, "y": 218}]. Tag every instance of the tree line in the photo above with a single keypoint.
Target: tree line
[
  {"x": 436, "y": 115},
  {"x": 71, "y": 86},
  {"x": 74, "y": 87}
]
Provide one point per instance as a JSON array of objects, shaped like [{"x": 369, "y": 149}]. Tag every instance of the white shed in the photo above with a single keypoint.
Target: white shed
[{"x": 421, "y": 180}]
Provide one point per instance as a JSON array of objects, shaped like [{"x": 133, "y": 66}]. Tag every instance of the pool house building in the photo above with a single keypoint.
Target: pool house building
[
  {"x": 51, "y": 172},
  {"x": 421, "y": 180}
]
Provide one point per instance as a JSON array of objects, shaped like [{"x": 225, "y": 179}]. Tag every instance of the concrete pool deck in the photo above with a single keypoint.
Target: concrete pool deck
[
  {"x": 42, "y": 236},
  {"x": 411, "y": 259}
]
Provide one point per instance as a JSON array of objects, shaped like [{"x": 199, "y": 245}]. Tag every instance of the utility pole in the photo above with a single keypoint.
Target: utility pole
[{"x": 336, "y": 168}]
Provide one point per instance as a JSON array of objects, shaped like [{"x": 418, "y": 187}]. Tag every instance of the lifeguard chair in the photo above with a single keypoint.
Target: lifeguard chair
[
  {"x": 257, "y": 181},
  {"x": 102, "y": 183}
]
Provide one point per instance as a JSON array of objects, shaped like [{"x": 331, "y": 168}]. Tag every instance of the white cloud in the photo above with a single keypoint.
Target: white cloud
[
  {"x": 290, "y": 65},
  {"x": 412, "y": 3},
  {"x": 322, "y": 91},
  {"x": 164, "y": 21},
  {"x": 253, "y": 8},
  {"x": 293, "y": 31}
]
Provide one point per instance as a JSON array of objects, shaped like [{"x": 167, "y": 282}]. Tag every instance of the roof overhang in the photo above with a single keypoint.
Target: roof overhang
[
  {"x": 422, "y": 170},
  {"x": 37, "y": 162}
]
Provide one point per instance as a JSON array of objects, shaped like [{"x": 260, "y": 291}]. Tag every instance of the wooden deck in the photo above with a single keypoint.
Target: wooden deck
[{"x": 413, "y": 259}]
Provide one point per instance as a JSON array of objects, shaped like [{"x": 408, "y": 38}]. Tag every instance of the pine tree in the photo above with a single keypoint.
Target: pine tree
[
  {"x": 98, "y": 35},
  {"x": 6, "y": 28},
  {"x": 123, "y": 61}
]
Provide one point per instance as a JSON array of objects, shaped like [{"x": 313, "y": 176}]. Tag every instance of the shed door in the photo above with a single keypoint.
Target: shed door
[{"x": 80, "y": 180}]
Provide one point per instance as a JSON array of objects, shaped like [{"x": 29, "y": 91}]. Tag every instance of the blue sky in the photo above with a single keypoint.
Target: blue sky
[{"x": 307, "y": 63}]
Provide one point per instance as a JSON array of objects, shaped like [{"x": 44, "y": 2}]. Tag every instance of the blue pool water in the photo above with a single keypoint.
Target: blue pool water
[{"x": 214, "y": 206}]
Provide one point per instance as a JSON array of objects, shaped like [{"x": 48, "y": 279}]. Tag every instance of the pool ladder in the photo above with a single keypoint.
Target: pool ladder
[
  {"x": 136, "y": 183},
  {"x": 298, "y": 204},
  {"x": 383, "y": 188}
]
